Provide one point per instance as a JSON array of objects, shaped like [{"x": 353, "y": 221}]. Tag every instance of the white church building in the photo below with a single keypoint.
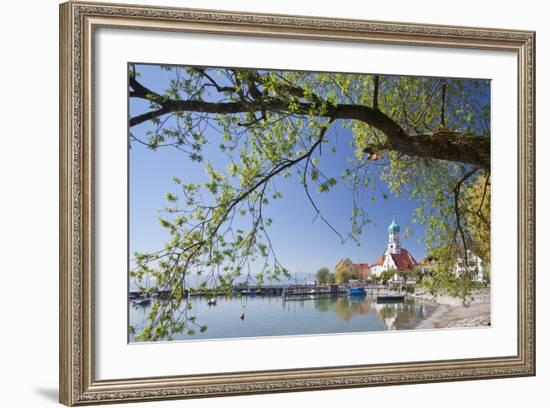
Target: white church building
[{"x": 395, "y": 258}]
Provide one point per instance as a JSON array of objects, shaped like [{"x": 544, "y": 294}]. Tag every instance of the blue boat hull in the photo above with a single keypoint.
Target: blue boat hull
[{"x": 357, "y": 292}]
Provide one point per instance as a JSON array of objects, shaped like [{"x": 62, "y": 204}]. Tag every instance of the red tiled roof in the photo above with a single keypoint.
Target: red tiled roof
[
  {"x": 379, "y": 261},
  {"x": 429, "y": 260},
  {"x": 404, "y": 260},
  {"x": 361, "y": 265}
]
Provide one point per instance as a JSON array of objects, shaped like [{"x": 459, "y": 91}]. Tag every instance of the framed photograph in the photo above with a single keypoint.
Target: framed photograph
[{"x": 258, "y": 203}]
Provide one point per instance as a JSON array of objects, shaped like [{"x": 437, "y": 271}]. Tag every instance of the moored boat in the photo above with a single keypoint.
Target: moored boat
[
  {"x": 357, "y": 292},
  {"x": 389, "y": 298},
  {"x": 142, "y": 302}
]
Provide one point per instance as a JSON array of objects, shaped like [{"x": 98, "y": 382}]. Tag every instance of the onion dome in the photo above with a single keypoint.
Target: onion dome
[{"x": 394, "y": 226}]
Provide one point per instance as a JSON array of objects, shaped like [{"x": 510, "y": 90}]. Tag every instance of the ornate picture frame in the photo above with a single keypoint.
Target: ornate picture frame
[{"x": 79, "y": 22}]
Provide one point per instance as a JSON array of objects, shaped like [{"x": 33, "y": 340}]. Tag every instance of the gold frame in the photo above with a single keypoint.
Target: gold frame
[{"x": 78, "y": 22}]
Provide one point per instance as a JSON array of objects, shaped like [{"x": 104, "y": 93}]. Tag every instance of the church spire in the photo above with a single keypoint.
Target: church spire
[{"x": 394, "y": 246}]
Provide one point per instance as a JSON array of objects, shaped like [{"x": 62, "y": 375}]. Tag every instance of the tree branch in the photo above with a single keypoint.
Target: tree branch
[
  {"x": 287, "y": 164},
  {"x": 479, "y": 210},
  {"x": 313, "y": 204},
  {"x": 213, "y": 83},
  {"x": 459, "y": 228},
  {"x": 446, "y": 145}
]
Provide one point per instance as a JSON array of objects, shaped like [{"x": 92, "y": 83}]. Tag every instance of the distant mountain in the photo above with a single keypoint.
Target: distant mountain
[
  {"x": 295, "y": 278},
  {"x": 195, "y": 280}
]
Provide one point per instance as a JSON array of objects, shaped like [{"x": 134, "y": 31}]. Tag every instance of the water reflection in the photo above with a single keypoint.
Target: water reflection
[
  {"x": 273, "y": 315},
  {"x": 393, "y": 315},
  {"x": 401, "y": 315},
  {"x": 346, "y": 307}
]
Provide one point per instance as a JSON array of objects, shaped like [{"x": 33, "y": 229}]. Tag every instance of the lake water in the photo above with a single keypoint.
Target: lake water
[{"x": 275, "y": 316}]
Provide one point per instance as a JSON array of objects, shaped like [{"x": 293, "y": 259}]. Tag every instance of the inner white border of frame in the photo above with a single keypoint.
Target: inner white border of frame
[{"x": 115, "y": 358}]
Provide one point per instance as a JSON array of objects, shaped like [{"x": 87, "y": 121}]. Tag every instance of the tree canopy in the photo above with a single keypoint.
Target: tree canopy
[
  {"x": 342, "y": 274},
  {"x": 324, "y": 276},
  {"x": 428, "y": 137}
]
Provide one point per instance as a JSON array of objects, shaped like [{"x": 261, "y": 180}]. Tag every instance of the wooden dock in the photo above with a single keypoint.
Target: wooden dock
[
  {"x": 286, "y": 291},
  {"x": 252, "y": 290}
]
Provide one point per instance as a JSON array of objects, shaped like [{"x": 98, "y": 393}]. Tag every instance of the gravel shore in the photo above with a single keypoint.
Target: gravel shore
[{"x": 451, "y": 312}]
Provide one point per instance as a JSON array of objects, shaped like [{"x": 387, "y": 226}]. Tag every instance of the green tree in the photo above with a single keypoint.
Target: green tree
[
  {"x": 419, "y": 275},
  {"x": 444, "y": 280},
  {"x": 405, "y": 274},
  {"x": 477, "y": 210},
  {"x": 386, "y": 276},
  {"x": 429, "y": 138},
  {"x": 323, "y": 276},
  {"x": 342, "y": 275}
]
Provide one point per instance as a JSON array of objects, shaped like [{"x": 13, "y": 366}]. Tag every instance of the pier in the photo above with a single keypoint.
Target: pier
[
  {"x": 249, "y": 290},
  {"x": 287, "y": 291}
]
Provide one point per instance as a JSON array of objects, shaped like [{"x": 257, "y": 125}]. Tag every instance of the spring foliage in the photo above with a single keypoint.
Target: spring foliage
[{"x": 429, "y": 138}]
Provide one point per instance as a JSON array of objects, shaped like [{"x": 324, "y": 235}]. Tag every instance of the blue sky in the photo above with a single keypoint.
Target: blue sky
[{"x": 302, "y": 245}]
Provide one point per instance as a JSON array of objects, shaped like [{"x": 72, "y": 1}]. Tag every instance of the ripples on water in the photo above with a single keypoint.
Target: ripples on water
[{"x": 275, "y": 316}]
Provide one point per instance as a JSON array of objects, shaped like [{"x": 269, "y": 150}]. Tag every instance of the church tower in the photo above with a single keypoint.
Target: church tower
[{"x": 394, "y": 246}]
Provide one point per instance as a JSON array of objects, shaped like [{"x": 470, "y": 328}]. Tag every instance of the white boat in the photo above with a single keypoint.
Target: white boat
[{"x": 142, "y": 302}]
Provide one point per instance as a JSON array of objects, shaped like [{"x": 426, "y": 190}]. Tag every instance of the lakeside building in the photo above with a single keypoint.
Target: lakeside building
[
  {"x": 474, "y": 267},
  {"x": 353, "y": 270},
  {"x": 398, "y": 259},
  {"x": 428, "y": 265},
  {"x": 395, "y": 258}
]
